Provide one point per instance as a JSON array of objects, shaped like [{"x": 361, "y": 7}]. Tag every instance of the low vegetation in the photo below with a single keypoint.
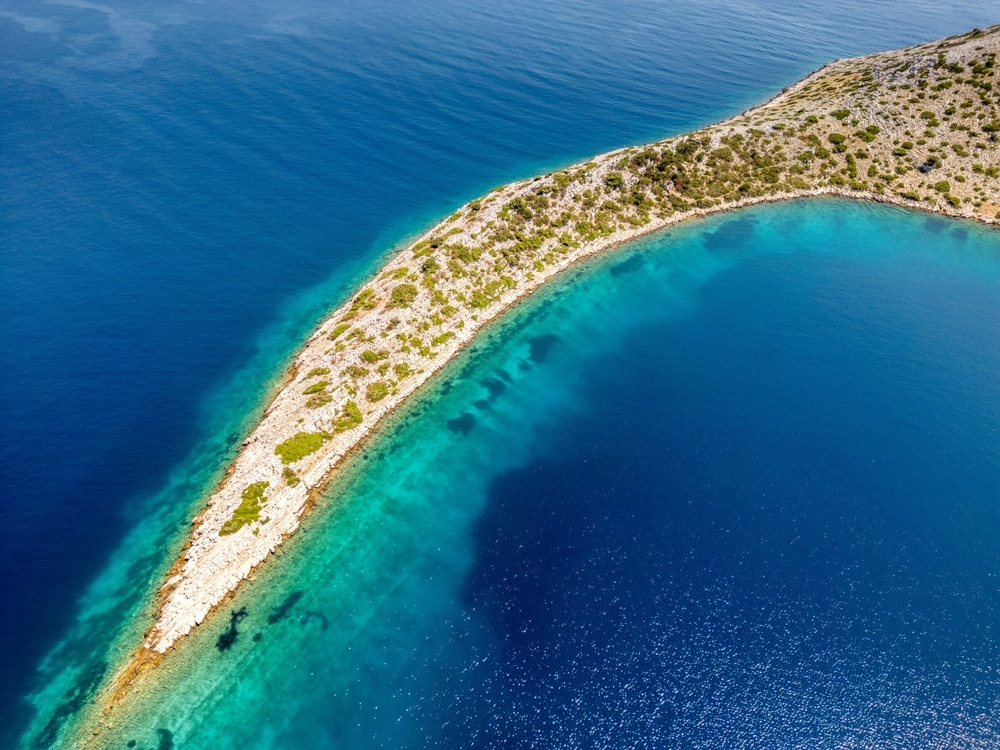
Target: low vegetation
[
  {"x": 291, "y": 478},
  {"x": 377, "y": 391},
  {"x": 350, "y": 417},
  {"x": 249, "y": 509},
  {"x": 300, "y": 445},
  {"x": 403, "y": 296}
]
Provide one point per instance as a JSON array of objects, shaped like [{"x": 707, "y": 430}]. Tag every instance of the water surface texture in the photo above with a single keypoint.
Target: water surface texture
[{"x": 186, "y": 188}]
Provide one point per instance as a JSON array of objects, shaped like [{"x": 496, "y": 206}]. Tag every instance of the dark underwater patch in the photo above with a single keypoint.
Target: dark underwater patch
[
  {"x": 934, "y": 225},
  {"x": 494, "y": 386},
  {"x": 312, "y": 614},
  {"x": 166, "y": 739},
  {"x": 86, "y": 685},
  {"x": 462, "y": 424},
  {"x": 732, "y": 235},
  {"x": 629, "y": 265},
  {"x": 540, "y": 347},
  {"x": 228, "y": 638},
  {"x": 281, "y": 611}
]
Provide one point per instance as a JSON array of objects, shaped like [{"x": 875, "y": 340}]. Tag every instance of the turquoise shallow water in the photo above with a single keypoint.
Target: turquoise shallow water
[
  {"x": 186, "y": 188},
  {"x": 737, "y": 484}
]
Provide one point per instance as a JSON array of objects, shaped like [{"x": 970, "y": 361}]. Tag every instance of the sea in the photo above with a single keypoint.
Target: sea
[{"x": 734, "y": 485}]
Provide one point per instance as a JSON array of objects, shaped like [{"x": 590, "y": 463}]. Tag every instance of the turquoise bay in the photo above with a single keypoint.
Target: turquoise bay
[
  {"x": 737, "y": 482},
  {"x": 745, "y": 468}
]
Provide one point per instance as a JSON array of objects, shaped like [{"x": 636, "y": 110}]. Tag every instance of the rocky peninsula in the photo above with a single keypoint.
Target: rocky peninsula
[{"x": 917, "y": 127}]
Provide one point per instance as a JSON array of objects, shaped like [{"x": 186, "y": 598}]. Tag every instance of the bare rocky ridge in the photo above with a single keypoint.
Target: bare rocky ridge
[{"x": 916, "y": 127}]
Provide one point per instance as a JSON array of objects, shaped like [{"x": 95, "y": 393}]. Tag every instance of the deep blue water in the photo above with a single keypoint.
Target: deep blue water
[{"x": 186, "y": 188}]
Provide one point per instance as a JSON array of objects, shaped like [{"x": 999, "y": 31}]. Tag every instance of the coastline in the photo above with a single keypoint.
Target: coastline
[{"x": 211, "y": 567}]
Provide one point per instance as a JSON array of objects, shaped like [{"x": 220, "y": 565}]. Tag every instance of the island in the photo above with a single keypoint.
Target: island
[{"x": 917, "y": 127}]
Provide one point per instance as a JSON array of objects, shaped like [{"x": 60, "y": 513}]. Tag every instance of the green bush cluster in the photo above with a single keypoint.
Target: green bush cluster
[
  {"x": 350, "y": 417},
  {"x": 339, "y": 330},
  {"x": 366, "y": 300},
  {"x": 402, "y": 295},
  {"x": 318, "y": 387},
  {"x": 318, "y": 400},
  {"x": 377, "y": 391},
  {"x": 869, "y": 134},
  {"x": 300, "y": 445},
  {"x": 248, "y": 510}
]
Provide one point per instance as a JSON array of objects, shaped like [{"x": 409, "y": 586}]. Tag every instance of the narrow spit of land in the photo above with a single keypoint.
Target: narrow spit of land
[{"x": 918, "y": 127}]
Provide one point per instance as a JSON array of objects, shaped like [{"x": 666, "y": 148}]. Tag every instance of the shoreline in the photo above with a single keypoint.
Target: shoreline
[{"x": 211, "y": 565}]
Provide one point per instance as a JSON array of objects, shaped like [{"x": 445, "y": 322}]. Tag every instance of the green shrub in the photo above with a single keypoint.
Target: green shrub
[
  {"x": 366, "y": 300},
  {"x": 291, "y": 479},
  {"x": 841, "y": 114},
  {"x": 377, "y": 391},
  {"x": 837, "y": 139},
  {"x": 479, "y": 300},
  {"x": 519, "y": 207},
  {"x": 356, "y": 371},
  {"x": 371, "y": 357},
  {"x": 614, "y": 180},
  {"x": 320, "y": 399},
  {"x": 339, "y": 330},
  {"x": 300, "y": 445},
  {"x": 350, "y": 417},
  {"x": 402, "y": 295},
  {"x": 248, "y": 510},
  {"x": 402, "y": 370},
  {"x": 317, "y": 387},
  {"x": 464, "y": 253},
  {"x": 868, "y": 134},
  {"x": 942, "y": 187}
]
